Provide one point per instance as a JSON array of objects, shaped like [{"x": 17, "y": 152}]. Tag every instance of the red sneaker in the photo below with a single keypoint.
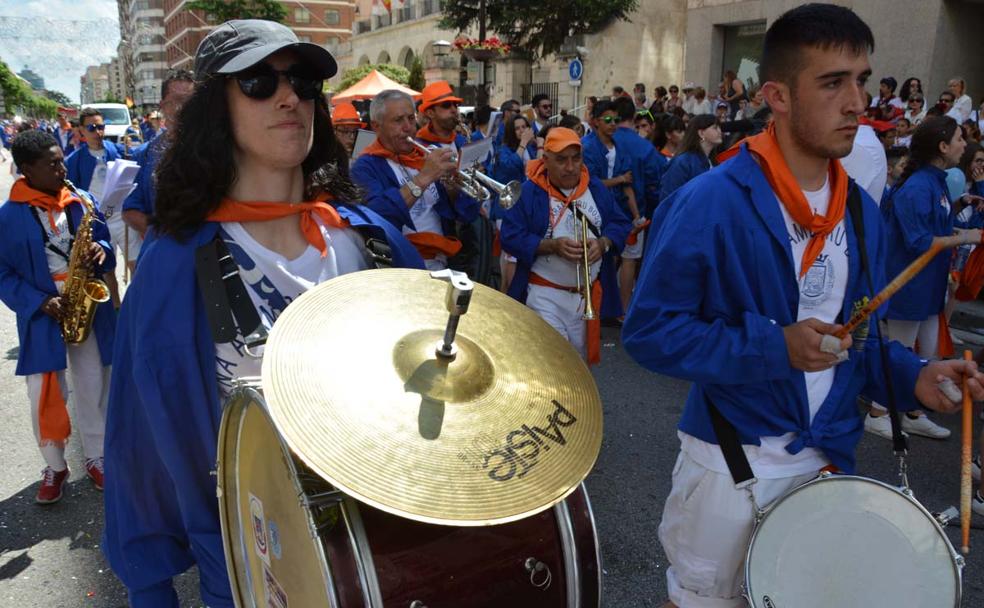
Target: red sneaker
[
  {"x": 94, "y": 468},
  {"x": 52, "y": 484}
]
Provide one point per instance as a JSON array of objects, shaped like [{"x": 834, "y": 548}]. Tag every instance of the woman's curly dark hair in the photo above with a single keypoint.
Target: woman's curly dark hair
[{"x": 198, "y": 167}]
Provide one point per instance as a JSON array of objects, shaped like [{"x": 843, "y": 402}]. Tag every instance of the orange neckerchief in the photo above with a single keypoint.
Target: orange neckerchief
[
  {"x": 666, "y": 153},
  {"x": 53, "y": 421},
  {"x": 972, "y": 277},
  {"x": 536, "y": 170},
  {"x": 427, "y": 134},
  {"x": 257, "y": 211},
  {"x": 22, "y": 192},
  {"x": 414, "y": 160},
  {"x": 777, "y": 173}
]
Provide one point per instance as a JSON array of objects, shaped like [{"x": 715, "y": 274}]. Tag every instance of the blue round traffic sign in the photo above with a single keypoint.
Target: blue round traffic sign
[{"x": 575, "y": 69}]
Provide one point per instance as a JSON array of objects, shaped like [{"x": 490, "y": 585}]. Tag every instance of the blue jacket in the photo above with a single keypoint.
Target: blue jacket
[
  {"x": 647, "y": 166},
  {"x": 143, "y": 196},
  {"x": 914, "y": 214},
  {"x": 25, "y": 283},
  {"x": 69, "y": 146},
  {"x": 163, "y": 422},
  {"x": 525, "y": 224},
  {"x": 375, "y": 176},
  {"x": 681, "y": 170},
  {"x": 80, "y": 164},
  {"x": 508, "y": 166},
  {"x": 711, "y": 302}
]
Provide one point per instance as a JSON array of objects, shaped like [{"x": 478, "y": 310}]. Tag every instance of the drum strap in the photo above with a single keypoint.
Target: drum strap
[
  {"x": 727, "y": 434},
  {"x": 899, "y": 444},
  {"x": 228, "y": 307}
]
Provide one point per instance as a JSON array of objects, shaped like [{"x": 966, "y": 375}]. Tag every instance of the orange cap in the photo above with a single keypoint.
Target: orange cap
[
  {"x": 435, "y": 93},
  {"x": 346, "y": 114},
  {"x": 561, "y": 138}
]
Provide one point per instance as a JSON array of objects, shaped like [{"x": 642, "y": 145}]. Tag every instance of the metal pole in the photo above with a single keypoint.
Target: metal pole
[{"x": 482, "y": 98}]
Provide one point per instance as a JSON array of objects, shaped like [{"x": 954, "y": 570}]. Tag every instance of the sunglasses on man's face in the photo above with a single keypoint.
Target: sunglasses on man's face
[
  {"x": 93, "y": 128},
  {"x": 946, "y": 101},
  {"x": 447, "y": 105},
  {"x": 261, "y": 82},
  {"x": 608, "y": 119}
]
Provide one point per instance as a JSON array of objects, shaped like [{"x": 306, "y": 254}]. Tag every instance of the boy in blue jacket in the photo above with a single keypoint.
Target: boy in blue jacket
[
  {"x": 37, "y": 232},
  {"x": 755, "y": 262}
]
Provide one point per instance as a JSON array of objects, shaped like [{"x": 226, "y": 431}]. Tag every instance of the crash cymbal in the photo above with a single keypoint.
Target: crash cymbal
[{"x": 506, "y": 429}]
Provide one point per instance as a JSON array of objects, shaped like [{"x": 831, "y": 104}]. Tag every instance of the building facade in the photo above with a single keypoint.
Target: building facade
[
  {"x": 324, "y": 22},
  {"x": 117, "y": 81},
  {"x": 35, "y": 79},
  {"x": 95, "y": 84},
  {"x": 929, "y": 39},
  {"x": 647, "y": 48}
]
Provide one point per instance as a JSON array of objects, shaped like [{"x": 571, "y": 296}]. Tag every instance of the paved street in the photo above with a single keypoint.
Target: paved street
[{"x": 50, "y": 557}]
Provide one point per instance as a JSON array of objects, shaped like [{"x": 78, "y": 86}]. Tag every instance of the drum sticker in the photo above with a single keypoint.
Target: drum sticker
[
  {"x": 274, "y": 537},
  {"x": 860, "y": 333},
  {"x": 259, "y": 529},
  {"x": 521, "y": 449},
  {"x": 276, "y": 597}
]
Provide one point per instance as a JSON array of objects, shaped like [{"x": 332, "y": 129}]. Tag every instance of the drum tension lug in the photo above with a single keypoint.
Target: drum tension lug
[
  {"x": 417, "y": 604},
  {"x": 540, "y": 575},
  {"x": 314, "y": 500}
]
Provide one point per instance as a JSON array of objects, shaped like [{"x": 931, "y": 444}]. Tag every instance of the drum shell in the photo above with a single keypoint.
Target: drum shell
[
  {"x": 848, "y": 560},
  {"x": 366, "y": 558}
]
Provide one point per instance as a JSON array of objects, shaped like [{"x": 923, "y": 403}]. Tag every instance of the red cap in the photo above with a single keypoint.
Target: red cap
[{"x": 435, "y": 93}]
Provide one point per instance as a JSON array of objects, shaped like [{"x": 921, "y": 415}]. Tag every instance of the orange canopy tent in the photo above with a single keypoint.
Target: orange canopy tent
[{"x": 370, "y": 86}]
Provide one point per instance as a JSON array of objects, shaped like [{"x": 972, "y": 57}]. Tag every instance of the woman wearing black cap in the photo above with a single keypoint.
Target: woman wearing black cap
[{"x": 253, "y": 168}]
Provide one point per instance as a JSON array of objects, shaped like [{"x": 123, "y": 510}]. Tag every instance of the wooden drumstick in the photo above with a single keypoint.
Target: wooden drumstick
[
  {"x": 966, "y": 485},
  {"x": 939, "y": 244}
]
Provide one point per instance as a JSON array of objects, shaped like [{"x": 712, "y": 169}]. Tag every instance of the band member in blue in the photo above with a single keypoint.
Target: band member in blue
[
  {"x": 254, "y": 167},
  {"x": 756, "y": 262}
]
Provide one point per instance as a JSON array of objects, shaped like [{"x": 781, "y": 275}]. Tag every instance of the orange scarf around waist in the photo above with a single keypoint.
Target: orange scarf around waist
[
  {"x": 427, "y": 134},
  {"x": 593, "y": 327},
  {"x": 765, "y": 146},
  {"x": 230, "y": 210},
  {"x": 414, "y": 160}
]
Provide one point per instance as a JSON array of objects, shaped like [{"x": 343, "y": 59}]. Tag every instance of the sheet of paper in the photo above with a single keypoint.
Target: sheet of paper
[
  {"x": 119, "y": 184},
  {"x": 494, "y": 121},
  {"x": 475, "y": 152},
  {"x": 362, "y": 141}
]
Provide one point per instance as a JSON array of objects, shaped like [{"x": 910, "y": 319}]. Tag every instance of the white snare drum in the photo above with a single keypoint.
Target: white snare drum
[{"x": 841, "y": 540}]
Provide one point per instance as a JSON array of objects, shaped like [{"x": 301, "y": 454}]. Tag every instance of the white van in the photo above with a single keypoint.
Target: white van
[{"x": 116, "y": 116}]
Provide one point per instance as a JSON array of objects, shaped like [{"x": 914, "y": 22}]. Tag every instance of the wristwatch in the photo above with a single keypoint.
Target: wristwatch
[{"x": 415, "y": 190}]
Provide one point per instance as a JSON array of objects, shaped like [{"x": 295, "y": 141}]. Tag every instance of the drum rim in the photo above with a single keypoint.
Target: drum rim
[
  {"x": 250, "y": 393},
  {"x": 955, "y": 560},
  {"x": 597, "y": 545}
]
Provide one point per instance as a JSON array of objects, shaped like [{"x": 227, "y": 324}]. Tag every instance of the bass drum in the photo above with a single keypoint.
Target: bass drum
[
  {"x": 842, "y": 540},
  {"x": 293, "y": 540}
]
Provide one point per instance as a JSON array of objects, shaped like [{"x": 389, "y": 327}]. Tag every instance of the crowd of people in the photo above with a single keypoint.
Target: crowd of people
[{"x": 715, "y": 231}]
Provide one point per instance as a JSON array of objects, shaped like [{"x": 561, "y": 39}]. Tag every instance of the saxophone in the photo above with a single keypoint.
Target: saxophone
[{"x": 82, "y": 293}]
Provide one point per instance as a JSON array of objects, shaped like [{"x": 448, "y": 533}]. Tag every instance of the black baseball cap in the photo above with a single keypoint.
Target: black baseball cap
[{"x": 242, "y": 43}]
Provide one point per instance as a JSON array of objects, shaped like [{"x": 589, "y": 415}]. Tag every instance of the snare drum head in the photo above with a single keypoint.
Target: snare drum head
[
  {"x": 272, "y": 557},
  {"x": 850, "y": 541}
]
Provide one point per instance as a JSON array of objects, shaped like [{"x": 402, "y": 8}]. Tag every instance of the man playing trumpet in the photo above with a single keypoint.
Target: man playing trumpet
[
  {"x": 411, "y": 188},
  {"x": 37, "y": 233},
  {"x": 546, "y": 233}
]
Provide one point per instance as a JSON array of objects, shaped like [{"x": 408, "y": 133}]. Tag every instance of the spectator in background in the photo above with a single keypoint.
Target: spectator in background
[
  {"x": 887, "y": 102},
  {"x": 639, "y": 96},
  {"x": 734, "y": 92},
  {"x": 702, "y": 105},
  {"x": 866, "y": 163},
  {"x": 756, "y": 101},
  {"x": 660, "y": 96},
  {"x": 542, "y": 111},
  {"x": 915, "y": 110},
  {"x": 674, "y": 129},
  {"x": 694, "y": 156},
  {"x": 618, "y": 91},
  {"x": 910, "y": 87},
  {"x": 972, "y": 131},
  {"x": 688, "y": 98},
  {"x": 896, "y": 159},
  {"x": 722, "y": 111},
  {"x": 945, "y": 104},
  {"x": 963, "y": 104},
  {"x": 573, "y": 123},
  {"x": 674, "y": 101},
  {"x": 903, "y": 135}
]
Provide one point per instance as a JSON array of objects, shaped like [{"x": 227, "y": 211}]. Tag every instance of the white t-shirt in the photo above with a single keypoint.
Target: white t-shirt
[
  {"x": 553, "y": 267},
  {"x": 610, "y": 157},
  {"x": 821, "y": 296},
  {"x": 894, "y": 101},
  {"x": 98, "y": 174},
  {"x": 867, "y": 164},
  {"x": 60, "y": 237},
  {"x": 423, "y": 214},
  {"x": 274, "y": 282}
]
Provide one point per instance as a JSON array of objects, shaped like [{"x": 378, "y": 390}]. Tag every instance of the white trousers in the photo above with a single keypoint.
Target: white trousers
[
  {"x": 907, "y": 332},
  {"x": 706, "y": 527},
  {"x": 90, "y": 394},
  {"x": 563, "y": 311},
  {"x": 120, "y": 232}
]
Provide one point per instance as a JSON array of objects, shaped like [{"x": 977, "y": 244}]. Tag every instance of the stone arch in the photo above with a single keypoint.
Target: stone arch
[
  {"x": 364, "y": 60},
  {"x": 405, "y": 57},
  {"x": 384, "y": 57}
]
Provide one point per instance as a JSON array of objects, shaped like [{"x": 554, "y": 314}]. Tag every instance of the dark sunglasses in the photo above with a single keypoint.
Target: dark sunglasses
[
  {"x": 948, "y": 101},
  {"x": 608, "y": 119},
  {"x": 447, "y": 105},
  {"x": 94, "y": 128},
  {"x": 261, "y": 82}
]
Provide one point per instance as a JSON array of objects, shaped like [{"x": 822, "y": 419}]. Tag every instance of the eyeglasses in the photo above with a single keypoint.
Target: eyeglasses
[
  {"x": 92, "y": 128},
  {"x": 946, "y": 101},
  {"x": 608, "y": 119},
  {"x": 447, "y": 105},
  {"x": 915, "y": 100},
  {"x": 346, "y": 132},
  {"x": 261, "y": 81}
]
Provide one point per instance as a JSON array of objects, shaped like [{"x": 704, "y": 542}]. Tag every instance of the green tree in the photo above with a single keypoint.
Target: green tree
[
  {"x": 396, "y": 72},
  {"x": 224, "y": 10},
  {"x": 417, "y": 82},
  {"x": 57, "y": 97},
  {"x": 18, "y": 96},
  {"x": 540, "y": 27}
]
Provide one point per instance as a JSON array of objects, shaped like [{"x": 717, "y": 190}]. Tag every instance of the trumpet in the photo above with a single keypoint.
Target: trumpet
[
  {"x": 469, "y": 185},
  {"x": 508, "y": 193},
  {"x": 584, "y": 272}
]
